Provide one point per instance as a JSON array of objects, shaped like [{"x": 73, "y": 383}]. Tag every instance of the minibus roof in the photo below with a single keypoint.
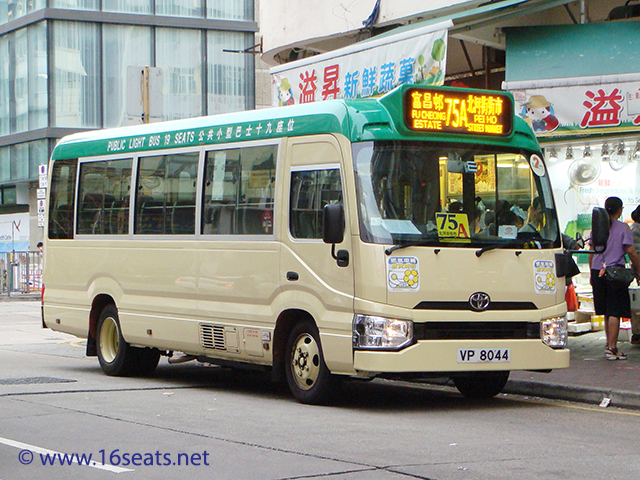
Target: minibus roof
[{"x": 367, "y": 119}]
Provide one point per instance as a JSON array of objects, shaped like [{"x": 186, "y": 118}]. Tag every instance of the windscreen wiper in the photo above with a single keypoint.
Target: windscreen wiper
[
  {"x": 493, "y": 246},
  {"x": 422, "y": 243},
  {"x": 520, "y": 242}
]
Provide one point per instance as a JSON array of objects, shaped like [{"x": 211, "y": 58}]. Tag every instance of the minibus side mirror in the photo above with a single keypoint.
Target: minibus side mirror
[
  {"x": 599, "y": 229},
  {"x": 333, "y": 232},
  {"x": 333, "y": 223}
]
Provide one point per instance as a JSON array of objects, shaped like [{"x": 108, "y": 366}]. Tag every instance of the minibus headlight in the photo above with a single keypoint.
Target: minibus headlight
[
  {"x": 554, "y": 332},
  {"x": 380, "y": 333}
]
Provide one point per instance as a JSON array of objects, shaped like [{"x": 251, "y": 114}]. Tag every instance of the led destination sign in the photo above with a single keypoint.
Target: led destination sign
[{"x": 452, "y": 111}]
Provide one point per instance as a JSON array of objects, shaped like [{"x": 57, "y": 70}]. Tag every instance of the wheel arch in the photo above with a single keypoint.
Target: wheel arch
[
  {"x": 98, "y": 304},
  {"x": 285, "y": 323}
]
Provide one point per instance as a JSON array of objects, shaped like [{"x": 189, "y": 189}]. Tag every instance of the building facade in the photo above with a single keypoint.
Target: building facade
[
  {"x": 578, "y": 86},
  {"x": 73, "y": 65},
  {"x": 572, "y": 67}
]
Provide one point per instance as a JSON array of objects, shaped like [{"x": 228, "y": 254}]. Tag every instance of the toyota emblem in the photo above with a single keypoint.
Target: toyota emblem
[{"x": 479, "y": 301}]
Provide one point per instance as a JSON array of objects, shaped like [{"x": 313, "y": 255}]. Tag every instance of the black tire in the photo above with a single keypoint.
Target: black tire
[
  {"x": 307, "y": 375},
  {"x": 117, "y": 358},
  {"x": 481, "y": 385},
  {"x": 145, "y": 361}
]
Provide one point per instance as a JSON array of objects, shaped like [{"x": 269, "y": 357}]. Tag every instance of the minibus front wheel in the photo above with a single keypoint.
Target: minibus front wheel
[
  {"x": 118, "y": 358},
  {"x": 307, "y": 374},
  {"x": 481, "y": 384}
]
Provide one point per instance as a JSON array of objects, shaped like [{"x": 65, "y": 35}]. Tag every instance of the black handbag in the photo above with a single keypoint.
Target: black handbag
[{"x": 619, "y": 276}]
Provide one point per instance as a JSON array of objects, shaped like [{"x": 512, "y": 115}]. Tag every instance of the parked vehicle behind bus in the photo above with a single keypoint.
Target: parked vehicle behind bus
[{"x": 410, "y": 235}]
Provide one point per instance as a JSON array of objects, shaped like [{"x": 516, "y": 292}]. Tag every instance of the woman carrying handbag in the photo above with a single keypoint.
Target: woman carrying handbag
[{"x": 611, "y": 296}]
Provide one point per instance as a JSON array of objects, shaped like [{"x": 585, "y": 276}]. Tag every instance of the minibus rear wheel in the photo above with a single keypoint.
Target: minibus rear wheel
[
  {"x": 308, "y": 377},
  {"x": 481, "y": 385},
  {"x": 118, "y": 358}
]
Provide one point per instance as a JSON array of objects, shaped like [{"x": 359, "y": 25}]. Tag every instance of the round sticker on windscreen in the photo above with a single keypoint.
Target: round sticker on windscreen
[{"x": 537, "y": 165}]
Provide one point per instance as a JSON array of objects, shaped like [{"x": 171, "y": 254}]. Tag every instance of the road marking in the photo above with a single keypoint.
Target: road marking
[
  {"x": 44, "y": 451},
  {"x": 74, "y": 342},
  {"x": 589, "y": 409}
]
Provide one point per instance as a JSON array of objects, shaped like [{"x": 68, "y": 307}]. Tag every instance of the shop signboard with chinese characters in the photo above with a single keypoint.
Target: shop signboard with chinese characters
[
  {"x": 591, "y": 108},
  {"x": 575, "y": 112},
  {"x": 364, "y": 69}
]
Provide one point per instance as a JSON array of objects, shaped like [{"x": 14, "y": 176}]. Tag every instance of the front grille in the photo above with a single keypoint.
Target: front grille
[
  {"x": 476, "y": 330},
  {"x": 212, "y": 337},
  {"x": 497, "y": 306}
]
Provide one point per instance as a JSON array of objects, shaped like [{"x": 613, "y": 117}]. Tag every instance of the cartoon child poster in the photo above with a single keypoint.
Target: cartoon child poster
[
  {"x": 538, "y": 113},
  {"x": 285, "y": 94}
]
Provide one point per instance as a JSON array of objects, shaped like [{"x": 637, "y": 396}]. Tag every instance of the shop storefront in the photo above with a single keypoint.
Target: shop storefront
[
  {"x": 578, "y": 86},
  {"x": 590, "y": 128}
]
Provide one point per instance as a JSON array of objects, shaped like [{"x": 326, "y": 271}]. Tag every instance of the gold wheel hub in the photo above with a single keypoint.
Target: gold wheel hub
[
  {"x": 109, "y": 339},
  {"x": 305, "y": 361}
]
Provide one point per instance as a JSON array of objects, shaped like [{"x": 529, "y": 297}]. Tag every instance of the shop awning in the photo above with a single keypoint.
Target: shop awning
[
  {"x": 576, "y": 80},
  {"x": 494, "y": 13},
  {"x": 499, "y": 12}
]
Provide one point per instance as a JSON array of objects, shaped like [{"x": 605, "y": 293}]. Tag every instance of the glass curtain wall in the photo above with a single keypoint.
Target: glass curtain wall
[
  {"x": 127, "y": 6},
  {"x": 20, "y": 162},
  {"x": 23, "y": 80},
  {"x": 179, "y": 56},
  {"x": 230, "y": 75},
  {"x": 123, "y": 46},
  {"x": 14, "y": 9},
  {"x": 180, "y": 8},
  {"x": 5, "y": 165},
  {"x": 89, "y": 61},
  {"x": 38, "y": 155},
  {"x": 76, "y": 75},
  {"x": 19, "y": 167},
  {"x": 218, "y": 9},
  {"x": 230, "y": 9},
  {"x": 93, "y": 5},
  {"x": 38, "y": 92},
  {"x": 5, "y": 85}
]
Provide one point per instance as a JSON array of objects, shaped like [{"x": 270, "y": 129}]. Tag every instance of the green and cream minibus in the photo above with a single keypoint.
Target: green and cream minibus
[{"x": 410, "y": 235}]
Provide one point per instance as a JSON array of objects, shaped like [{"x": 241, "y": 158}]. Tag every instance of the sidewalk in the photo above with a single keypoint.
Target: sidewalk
[
  {"x": 20, "y": 297},
  {"x": 590, "y": 377}
]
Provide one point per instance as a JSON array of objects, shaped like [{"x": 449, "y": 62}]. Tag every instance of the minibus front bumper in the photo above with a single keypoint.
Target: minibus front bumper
[{"x": 463, "y": 356}]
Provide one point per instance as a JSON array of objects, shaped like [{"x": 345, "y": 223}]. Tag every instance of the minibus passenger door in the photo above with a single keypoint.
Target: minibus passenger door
[{"x": 312, "y": 279}]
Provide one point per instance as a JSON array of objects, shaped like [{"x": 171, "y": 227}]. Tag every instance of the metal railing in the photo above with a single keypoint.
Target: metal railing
[{"x": 20, "y": 272}]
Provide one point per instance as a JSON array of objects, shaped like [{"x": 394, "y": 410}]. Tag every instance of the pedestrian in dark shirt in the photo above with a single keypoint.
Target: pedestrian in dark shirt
[{"x": 609, "y": 299}]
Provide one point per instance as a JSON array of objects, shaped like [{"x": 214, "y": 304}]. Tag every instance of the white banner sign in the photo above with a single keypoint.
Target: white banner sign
[
  {"x": 581, "y": 109},
  {"x": 364, "y": 69},
  {"x": 14, "y": 232}
]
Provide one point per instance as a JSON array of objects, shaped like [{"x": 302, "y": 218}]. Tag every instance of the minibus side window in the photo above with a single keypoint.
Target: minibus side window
[
  {"x": 166, "y": 195},
  {"x": 311, "y": 190},
  {"x": 103, "y": 194},
  {"x": 239, "y": 187},
  {"x": 62, "y": 199}
]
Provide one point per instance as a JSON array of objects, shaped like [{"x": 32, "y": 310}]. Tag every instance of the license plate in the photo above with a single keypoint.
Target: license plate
[{"x": 484, "y": 355}]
